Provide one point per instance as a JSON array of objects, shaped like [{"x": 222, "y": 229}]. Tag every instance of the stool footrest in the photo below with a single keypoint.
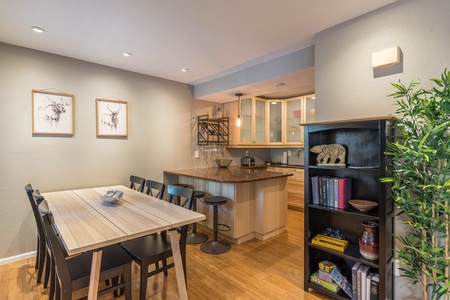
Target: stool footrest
[{"x": 227, "y": 228}]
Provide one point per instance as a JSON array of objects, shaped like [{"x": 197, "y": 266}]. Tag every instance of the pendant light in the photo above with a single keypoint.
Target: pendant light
[{"x": 239, "y": 119}]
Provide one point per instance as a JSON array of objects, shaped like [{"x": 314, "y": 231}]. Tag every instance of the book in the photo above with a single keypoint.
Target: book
[
  {"x": 330, "y": 191},
  {"x": 333, "y": 287},
  {"x": 368, "y": 281},
  {"x": 355, "y": 268},
  {"x": 374, "y": 286},
  {"x": 344, "y": 191},
  {"x": 358, "y": 282},
  {"x": 341, "y": 281},
  {"x": 364, "y": 272},
  {"x": 315, "y": 189},
  {"x": 335, "y": 191},
  {"x": 323, "y": 190},
  {"x": 325, "y": 276}
]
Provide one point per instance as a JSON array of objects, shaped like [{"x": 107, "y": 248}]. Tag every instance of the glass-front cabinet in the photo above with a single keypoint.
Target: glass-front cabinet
[
  {"x": 293, "y": 130},
  {"x": 253, "y": 127},
  {"x": 260, "y": 121},
  {"x": 275, "y": 122},
  {"x": 246, "y": 125},
  {"x": 310, "y": 109}
]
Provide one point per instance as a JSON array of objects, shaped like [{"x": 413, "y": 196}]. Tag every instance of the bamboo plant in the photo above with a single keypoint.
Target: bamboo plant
[{"x": 420, "y": 180}]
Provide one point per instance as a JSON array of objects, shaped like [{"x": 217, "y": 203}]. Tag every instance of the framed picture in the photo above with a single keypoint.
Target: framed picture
[
  {"x": 52, "y": 113},
  {"x": 112, "y": 118}
]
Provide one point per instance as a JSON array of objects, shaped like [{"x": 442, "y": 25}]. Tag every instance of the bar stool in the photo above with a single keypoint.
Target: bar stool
[
  {"x": 195, "y": 237},
  {"x": 215, "y": 246}
]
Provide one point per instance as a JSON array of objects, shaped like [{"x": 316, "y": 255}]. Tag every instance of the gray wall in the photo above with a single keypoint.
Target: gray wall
[
  {"x": 159, "y": 137},
  {"x": 346, "y": 85}
]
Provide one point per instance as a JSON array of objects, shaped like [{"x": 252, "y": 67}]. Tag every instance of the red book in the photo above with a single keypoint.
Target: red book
[{"x": 344, "y": 191}]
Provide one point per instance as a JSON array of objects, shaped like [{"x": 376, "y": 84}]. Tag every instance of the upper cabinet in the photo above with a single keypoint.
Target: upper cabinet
[
  {"x": 274, "y": 123},
  {"x": 253, "y": 128}
]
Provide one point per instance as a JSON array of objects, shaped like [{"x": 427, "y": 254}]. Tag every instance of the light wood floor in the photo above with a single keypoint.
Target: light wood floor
[{"x": 271, "y": 269}]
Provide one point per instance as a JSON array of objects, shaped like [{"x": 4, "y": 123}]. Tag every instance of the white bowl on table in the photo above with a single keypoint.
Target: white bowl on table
[{"x": 112, "y": 196}]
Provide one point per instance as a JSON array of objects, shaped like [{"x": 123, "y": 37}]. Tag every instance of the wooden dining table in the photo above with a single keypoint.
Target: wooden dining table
[{"x": 86, "y": 223}]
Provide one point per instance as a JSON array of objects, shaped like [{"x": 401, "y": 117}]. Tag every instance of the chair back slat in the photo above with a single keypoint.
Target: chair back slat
[
  {"x": 34, "y": 196},
  {"x": 155, "y": 189},
  {"x": 180, "y": 196},
  {"x": 55, "y": 241},
  {"x": 137, "y": 183}
]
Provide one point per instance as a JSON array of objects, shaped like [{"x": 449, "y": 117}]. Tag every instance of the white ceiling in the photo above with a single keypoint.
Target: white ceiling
[{"x": 211, "y": 38}]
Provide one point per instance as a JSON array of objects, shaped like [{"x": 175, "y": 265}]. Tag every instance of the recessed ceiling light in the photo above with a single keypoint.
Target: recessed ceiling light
[
  {"x": 184, "y": 70},
  {"x": 313, "y": 97},
  {"x": 38, "y": 29},
  {"x": 273, "y": 102},
  {"x": 279, "y": 84},
  {"x": 127, "y": 54}
]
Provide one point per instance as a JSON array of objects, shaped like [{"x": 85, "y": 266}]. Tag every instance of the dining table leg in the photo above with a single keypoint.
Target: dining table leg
[
  {"x": 178, "y": 264},
  {"x": 95, "y": 274}
]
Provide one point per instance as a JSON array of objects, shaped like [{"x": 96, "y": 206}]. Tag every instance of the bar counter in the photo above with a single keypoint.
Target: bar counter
[
  {"x": 232, "y": 174},
  {"x": 257, "y": 199}
]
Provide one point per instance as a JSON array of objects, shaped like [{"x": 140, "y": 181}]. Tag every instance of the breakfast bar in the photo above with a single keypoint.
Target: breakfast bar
[{"x": 257, "y": 199}]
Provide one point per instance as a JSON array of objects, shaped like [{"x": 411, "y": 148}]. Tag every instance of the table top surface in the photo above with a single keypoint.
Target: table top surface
[
  {"x": 232, "y": 174},
  {"x": 86, "y": 223}
]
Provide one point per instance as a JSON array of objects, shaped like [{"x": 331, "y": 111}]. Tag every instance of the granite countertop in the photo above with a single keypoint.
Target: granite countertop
[{"x": 232, "y": 174}]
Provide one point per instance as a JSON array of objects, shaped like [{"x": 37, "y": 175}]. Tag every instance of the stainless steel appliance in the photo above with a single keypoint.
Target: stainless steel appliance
[{"x": 247, "y": 161}]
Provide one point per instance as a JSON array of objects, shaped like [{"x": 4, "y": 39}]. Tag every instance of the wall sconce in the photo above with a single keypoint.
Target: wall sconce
[
  {"x": 239, "y": 119},
  {"x": 386, "y": 57}
]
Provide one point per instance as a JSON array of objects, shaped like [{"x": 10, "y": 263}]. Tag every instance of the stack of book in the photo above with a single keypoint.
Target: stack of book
[
  {"x": 364, "y": 283},
  {"x": 331, "y": 191},
  {"x": 322, "y": 277}
]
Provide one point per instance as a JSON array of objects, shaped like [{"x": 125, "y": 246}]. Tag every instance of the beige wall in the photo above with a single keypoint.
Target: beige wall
[
  {"x": 346, "y": 85},
  {"x": 160, "y": 134}
]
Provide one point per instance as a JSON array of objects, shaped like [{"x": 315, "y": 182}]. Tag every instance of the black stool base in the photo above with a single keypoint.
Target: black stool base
[
  {"x": 215, "y": 247},
  {"x": 196, "y": 238}
]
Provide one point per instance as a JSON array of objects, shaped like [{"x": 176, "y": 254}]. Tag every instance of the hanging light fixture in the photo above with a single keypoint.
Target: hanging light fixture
[{"x": 239, "y": 119}]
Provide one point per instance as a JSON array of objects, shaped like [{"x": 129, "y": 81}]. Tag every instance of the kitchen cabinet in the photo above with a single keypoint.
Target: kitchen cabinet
[
  {"x": 275, "y": 122},
  {"x": 253, "y": 128},
  {"x": 365, "y": 143},
  {"x": 295, "y": 186},
  {"x": 296, "y": 189}
]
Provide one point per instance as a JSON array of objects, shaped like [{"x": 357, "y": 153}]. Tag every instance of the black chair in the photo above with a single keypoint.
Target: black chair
[
  {"x": 156, "y": 248},
  {"x": 73, "y": 273},
  {"x": 41, "y": 250},
  {"x": 155, "y": 189},
  {"x": 49, "y": 261},
  {"x": 137, "y": 183}
]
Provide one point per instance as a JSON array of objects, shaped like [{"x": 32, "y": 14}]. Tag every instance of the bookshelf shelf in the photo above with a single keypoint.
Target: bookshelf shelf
[{"x": 365, "y": 143}]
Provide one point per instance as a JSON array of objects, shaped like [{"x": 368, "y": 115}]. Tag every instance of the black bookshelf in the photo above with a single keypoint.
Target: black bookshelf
[{"x": 365, "y": 143}]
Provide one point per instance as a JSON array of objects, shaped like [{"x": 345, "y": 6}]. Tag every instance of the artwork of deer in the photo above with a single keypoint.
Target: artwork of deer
[
  {"x": 111, "y": 118},
  {"x": 51, "y": 113}
]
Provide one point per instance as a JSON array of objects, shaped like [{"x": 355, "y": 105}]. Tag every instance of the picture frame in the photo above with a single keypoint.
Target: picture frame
[
  {"x": 112, "y": 118},
  {"x": 53, "y": 113}
]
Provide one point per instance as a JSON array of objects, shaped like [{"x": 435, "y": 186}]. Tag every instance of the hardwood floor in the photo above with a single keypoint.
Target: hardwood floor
[{"x": 271, "y": 269}]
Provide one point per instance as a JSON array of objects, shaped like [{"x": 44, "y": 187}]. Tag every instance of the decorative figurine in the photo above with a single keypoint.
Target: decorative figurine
[{"x": 328, "y": 154}]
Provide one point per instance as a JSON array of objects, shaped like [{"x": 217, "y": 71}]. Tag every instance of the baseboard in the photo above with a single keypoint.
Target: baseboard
[{"x": 15, "y": 258}]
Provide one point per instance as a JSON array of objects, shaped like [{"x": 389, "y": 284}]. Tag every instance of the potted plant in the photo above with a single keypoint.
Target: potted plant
[{"x": 420, "y": 180}]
